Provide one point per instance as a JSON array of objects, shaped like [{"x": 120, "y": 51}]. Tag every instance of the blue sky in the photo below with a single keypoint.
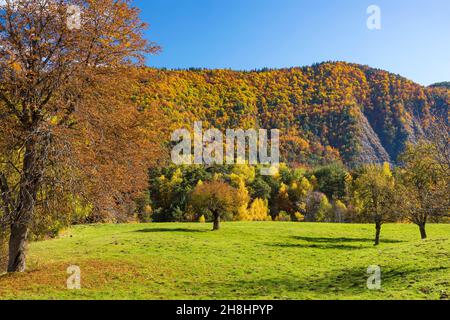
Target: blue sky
[{"x": 249, "y": 34}]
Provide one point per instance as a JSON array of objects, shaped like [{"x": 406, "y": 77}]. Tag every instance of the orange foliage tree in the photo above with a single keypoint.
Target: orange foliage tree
[
  {"x": 217, "y": 198},
  {"x": 66, "y": 128}
]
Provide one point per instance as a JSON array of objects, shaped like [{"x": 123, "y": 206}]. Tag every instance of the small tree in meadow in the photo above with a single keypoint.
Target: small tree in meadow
[
  {"x": 425, "y": 187},
  {"x": 375, "y": 190},
  {"x": 217, "y": 198}
]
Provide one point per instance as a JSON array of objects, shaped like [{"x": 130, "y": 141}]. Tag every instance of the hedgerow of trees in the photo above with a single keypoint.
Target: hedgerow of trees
[{"x": 376, "y": 193}]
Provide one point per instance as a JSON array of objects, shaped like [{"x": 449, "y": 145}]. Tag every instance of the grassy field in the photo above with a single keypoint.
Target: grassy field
[{"x": 265, "y": 260}]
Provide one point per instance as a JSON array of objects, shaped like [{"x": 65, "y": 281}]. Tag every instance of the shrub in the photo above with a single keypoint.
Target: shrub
[
  {"x": 283, "y": 216},
  {"x": 299, "y": 217}
]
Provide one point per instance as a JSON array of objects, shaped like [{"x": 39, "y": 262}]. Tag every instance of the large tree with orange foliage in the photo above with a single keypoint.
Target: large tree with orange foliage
[{"x": 68, "y": 126}]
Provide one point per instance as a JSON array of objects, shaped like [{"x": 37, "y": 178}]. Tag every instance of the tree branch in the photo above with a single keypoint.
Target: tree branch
[{"x": 5, "y": 194}]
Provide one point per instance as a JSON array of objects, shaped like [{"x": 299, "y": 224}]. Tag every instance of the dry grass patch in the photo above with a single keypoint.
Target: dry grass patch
[{"x": 95, "y": 274}]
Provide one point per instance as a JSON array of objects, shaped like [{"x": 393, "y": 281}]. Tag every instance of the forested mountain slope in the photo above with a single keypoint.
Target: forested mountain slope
[
  {"x": 328, "y": 111},
  {"x": 445, "y": 84}
]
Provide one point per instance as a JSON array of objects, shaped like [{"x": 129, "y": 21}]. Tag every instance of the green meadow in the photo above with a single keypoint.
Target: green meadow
[{"x": 254, "y": 260}]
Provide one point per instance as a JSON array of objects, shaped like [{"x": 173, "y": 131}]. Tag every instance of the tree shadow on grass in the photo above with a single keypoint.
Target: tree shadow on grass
[
  {"x": 160, "y": 230},
  {"x": 340, "y": 283},
  {"x": 341, "y": 243},
  {"x": 343, "y": 240},
  {"x": 318, "y": 246}
]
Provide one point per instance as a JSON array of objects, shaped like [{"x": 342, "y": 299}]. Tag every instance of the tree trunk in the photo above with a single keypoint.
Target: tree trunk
[
  {"x": 17, "y": 248},
  {"x": 377, "y": 234},
  {"x": 216, "y": 222},
  {"x": 22, "y": 217},
  {"x": 423, "y": 232}
]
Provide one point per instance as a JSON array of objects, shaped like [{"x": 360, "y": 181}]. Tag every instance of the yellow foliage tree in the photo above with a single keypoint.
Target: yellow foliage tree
[
  {"x": 259, "y": 210},
  {"x": 245, "y": 171},
  {"x": 243, "y": 199},
  {"x": 340, "y": 210}
]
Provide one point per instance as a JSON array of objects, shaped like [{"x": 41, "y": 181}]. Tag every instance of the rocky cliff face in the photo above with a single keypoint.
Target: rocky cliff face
[{"x": 372, "y": 150}]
